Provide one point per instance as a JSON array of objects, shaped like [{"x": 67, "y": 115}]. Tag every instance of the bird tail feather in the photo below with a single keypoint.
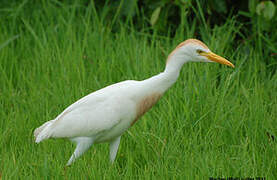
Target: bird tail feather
[{"x": 41, "y": 133}]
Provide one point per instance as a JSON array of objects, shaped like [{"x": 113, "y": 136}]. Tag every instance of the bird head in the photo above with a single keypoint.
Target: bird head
[{"x": 194, "y": 50}]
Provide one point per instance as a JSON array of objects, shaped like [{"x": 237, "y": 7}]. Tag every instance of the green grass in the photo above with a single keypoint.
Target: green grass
[{"x": 212, "y": 123}]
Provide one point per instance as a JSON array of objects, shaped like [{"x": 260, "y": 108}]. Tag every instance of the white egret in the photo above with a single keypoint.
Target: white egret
[{"x": 104, "y": 115}]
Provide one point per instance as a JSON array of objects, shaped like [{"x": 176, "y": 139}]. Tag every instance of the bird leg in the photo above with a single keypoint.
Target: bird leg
[
  {"x": 113, "y": 148},
  {"x": 83, "y": 144}
]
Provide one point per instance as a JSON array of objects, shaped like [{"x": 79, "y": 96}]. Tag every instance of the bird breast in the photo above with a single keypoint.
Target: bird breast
[{"x": 145, "y": 104}]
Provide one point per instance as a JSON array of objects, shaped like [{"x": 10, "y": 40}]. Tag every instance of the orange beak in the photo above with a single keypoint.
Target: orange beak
[{"x": 216, "y": 58}]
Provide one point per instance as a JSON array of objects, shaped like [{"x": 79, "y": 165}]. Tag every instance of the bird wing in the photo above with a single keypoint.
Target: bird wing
[{"x": 99, "y": 111}]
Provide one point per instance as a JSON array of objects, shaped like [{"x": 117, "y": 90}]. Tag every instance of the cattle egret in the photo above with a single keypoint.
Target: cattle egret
[{"x": 104, "y": 115}]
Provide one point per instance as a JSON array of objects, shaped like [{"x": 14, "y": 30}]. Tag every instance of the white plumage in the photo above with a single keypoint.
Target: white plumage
[{"x": 104, "y": 115}]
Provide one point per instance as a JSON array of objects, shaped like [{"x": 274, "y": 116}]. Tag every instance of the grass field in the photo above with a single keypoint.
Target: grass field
[{"x": 214, "y": 122}]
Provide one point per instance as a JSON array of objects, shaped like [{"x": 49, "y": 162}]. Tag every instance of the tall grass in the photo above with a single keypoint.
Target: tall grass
[{"x": 214, "y": 122}]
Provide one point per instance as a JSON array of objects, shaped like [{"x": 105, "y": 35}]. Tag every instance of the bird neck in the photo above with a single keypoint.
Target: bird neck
[
  {"x": 169, "y": 76},
  {"x": 175, "y": 62}
]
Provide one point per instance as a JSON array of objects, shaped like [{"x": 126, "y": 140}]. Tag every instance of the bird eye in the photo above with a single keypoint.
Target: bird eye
[{"x": 199, "y": 51}]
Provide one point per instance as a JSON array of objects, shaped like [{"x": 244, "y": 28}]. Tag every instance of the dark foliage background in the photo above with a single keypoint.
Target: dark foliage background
[{"x": 256, "y": 20}]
